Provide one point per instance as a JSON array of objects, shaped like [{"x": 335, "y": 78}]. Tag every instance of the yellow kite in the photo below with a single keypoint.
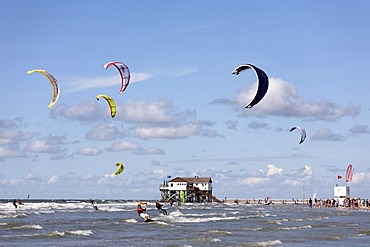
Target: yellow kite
[
  {"x": 120, "y": 168},
  {"x": 53, "y": 82},
  {"x": 111, "y": 103}
]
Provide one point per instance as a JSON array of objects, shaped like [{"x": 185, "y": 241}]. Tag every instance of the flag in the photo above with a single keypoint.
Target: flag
[{"x": 339, "y": 176}]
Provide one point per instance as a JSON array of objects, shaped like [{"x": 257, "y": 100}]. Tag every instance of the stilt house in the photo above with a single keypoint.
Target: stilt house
[{"x": 195, "y": 189}]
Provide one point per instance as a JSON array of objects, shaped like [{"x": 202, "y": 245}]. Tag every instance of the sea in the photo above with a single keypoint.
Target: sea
[{"x": 116, "y": 223}]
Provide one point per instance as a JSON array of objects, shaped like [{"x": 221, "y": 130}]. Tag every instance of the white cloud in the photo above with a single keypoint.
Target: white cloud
[
  {"x": 11, "y": 136},
  {"x": 84, "y": 112},
  {"x": 360, "y": 178},
  {"x": 259, "y": 125},
  {"x": 273, "y": 170},
  {"x": 300, "y": 177},
  {"x": 88, "y": 177},
  {"x": 54, "y": 179},
  {"x": 106, "y": 179},
  {"x": 282, "y": 99},
  {"x": 326, "y": 134},
  {"x": 131, "y": 146},
  {"x": 161, "y": 111},
  {"x": 79, "y": 83},
  {"x": 149, "y": 150},
  {"x": 186, "y": 70},
  {"x": 89, "y": 151},
  {"x": 11, "y": 153},
  {"x": 166, "y": 132},
  {"x": 150, "y": 119},
  {"x": 43, "y": 146},
  {"x": 104, "y": 132},
  {"x": 254, "y": 181},
  {"x": 359, "y": 129},
  {"x": 123, "y": 146}
]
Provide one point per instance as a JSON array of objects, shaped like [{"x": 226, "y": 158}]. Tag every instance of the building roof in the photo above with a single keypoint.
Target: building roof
[{"x": 192, "y": 180}]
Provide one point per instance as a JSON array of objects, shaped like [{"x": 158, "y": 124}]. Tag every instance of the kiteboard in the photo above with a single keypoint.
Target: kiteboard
[{"x": 148, "y": 220}]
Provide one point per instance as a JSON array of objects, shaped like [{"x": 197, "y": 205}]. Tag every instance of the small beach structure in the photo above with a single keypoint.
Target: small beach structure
[
  {"x": 185, "y": 189},
  {"x": 341, "y": 193}
]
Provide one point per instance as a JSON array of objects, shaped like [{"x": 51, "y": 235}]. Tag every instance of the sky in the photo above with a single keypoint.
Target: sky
[{"x": 183, "y": 113}]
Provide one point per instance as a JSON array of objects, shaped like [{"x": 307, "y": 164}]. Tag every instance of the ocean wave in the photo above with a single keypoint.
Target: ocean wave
[
  {"x": 218, "y": 232},
  {"x": 253, "y": 229},
  {"x": 66, "y": 233},
  {"x": 159, "y": 222},
  {"x": 214, "y": 240},
  {"x": 13, "y": 215},
  {"x": 28, "y": 227},
  {"x": 266, "y": 243},
  {"x": 295, "y": 227},
  {"x": 80, "y": 232},
  {"x": 278, "y": 222}
]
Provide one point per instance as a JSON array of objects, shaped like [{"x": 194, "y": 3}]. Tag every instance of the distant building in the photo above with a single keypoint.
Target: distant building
[
  {"x": 195, "y": 189},
  {"x": 341, "y": 193}
]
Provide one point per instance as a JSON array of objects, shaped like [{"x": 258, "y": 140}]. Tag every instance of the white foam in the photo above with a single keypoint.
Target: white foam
[
  {"x": 131, "y": 220},
  {"x": 80, "y": 232},
  {"x": 267, "y": 243},
  {"x": 295, "y": 227},
  {"x": 28, "y": 227},
  {"x": 221, "y": 232}
]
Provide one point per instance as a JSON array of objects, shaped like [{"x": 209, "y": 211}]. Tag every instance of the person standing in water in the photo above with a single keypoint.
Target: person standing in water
[{"x": 15, "y": 203}]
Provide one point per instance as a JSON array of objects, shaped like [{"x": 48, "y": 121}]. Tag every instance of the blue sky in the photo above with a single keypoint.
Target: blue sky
[{"x": 183, "y": 113}]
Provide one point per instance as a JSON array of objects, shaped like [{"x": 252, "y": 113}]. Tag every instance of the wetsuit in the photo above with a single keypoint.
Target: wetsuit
[{"x": 160, "y": 209}]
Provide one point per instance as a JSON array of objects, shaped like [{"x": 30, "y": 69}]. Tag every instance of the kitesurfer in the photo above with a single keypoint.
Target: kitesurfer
[
  {"x": 93, "y": 204},
  {"x": 15, "y": 203},
  {"x": 142, "y": 212},
  {"x": 160, "y": 208}
]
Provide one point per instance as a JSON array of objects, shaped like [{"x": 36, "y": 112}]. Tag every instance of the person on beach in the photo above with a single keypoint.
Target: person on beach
[
  {"x": 160, "y": 208},
  {"x": 142, "y": 212}
]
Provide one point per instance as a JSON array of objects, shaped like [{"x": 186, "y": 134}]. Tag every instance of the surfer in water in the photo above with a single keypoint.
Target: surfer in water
[
  {"x": 160, "y": 208},
  {"x": 93, "y": 204},
  {"x": 142, "y": 213},
  {"x": 15, "y": 203}
]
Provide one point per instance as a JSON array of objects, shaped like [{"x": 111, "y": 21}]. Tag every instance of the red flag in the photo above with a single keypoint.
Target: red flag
[{"x": 339, "y": 176}]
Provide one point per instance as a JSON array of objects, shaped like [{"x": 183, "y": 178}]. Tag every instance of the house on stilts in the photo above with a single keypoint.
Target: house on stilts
[{"x": 184, "y": 189}]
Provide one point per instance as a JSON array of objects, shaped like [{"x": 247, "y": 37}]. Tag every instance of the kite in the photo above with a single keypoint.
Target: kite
[
  {"x": 314, "y": 196},
  {"x": 124, "y": 73},
  {"x": 119, "y": 169},
  {"x": 53, "y": 82},
  {"x": 349, "y": 173},
  {"x": 262, "y": 82},
  {"x": 111, "y": 103},
  {"x": 303, "y": 132}
]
